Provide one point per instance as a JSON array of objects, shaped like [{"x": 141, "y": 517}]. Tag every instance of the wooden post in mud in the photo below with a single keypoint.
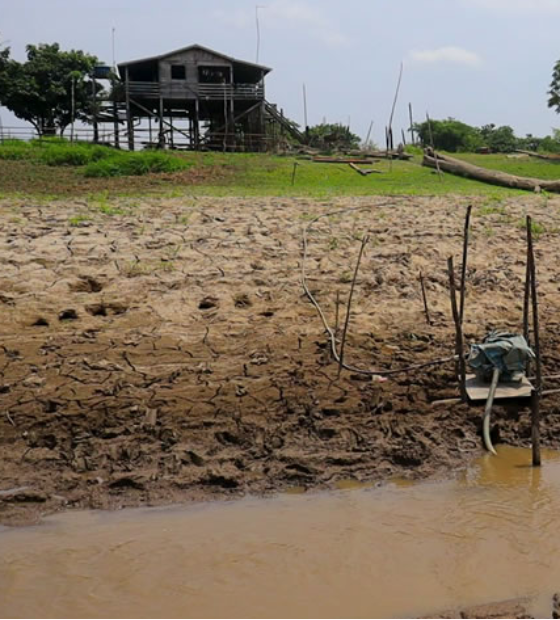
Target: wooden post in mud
[
  {"x": 294, "y": 173},
  {"x": 526, "y": 301},
  {"x": 425, "y": 299},
  {"x": 458, "y": 331},
  {"x": 464, "y": 266},
  {"x": 349, "y": 305},
  {"x": 536, "y": 394}
]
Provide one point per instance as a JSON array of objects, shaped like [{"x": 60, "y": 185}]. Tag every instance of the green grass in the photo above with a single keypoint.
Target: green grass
[
  {"x": 135, "y": 164},
  {"x": 88, "y": 169}
]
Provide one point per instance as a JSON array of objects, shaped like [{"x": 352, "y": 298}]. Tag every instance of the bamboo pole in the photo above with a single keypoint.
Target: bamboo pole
[
  {"x": 425, "y": 299},
  {"x": 536, "y": 394},
  {"x": 464, "y": 265},
  {"x": 458, "y": 331},
  {"x": 349, "y": 304}
]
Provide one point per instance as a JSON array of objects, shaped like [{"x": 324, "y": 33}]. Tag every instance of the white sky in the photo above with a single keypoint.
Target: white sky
[{"x": 481, "y": 61}]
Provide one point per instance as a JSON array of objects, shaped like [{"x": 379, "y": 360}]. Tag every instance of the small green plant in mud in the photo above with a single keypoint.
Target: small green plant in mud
[
  {"x": 107, "y": 209},
  {"x": 345, "y": 277},
  {"x": 537, "y": 228},
  {"x": 307, "y": 217},
  {"x": 78, "y": 220},
  {"x": 333, "y": 243},
  {"x": 183, "y": 220},
  {"x": 488, "y": 231},
  {"x": 141, "y": 268},
  {"x": 492, "y": 209}
]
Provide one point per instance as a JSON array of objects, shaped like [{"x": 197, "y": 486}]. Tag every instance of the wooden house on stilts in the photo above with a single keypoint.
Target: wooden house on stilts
[{"x": 197, "y": 98}]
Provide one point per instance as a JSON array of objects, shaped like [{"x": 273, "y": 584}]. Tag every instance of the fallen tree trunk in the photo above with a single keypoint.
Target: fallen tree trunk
[
  {"x": 550, "y": 157},
  {"x": 495, "y": 177},
  {"x": 362, "y": 171},
  {"x": 341, "y": 160},
  {"x": 381, "y": 154}
]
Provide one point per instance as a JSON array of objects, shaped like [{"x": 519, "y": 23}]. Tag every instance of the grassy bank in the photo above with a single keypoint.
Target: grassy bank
[{"x": 60, "y": 169}]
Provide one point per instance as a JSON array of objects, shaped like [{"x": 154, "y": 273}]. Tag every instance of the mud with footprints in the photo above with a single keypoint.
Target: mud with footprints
[{"x": 156, "y": 351}]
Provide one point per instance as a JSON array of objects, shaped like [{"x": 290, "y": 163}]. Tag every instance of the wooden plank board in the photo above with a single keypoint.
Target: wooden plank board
[{"x": 478, "y": 390}]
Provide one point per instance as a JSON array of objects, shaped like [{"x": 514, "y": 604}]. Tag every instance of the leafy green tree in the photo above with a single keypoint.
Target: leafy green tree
[
  {"x": 554, "y": 92},
  {"x": 499, "y": 139},
  {"x": 449, "y": 135},
  {"x": 40, "y": 89},
  {"x": 332, "y": 136}
]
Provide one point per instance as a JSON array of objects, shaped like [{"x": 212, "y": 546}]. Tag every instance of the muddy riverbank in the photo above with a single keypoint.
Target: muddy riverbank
[{"x": 156, "y": 351}]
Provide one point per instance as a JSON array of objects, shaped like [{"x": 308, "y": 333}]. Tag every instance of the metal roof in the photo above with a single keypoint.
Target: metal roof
[{"x": 195, "y": 46}]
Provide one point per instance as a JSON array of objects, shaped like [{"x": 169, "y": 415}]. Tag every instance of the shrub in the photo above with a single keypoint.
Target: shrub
[
  {"x": 15, "y": 149},
  {"x": 73, "y": 154},
  {"x": 135, "y": 164}
]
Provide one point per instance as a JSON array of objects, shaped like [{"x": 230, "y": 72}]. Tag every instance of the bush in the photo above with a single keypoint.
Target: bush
[
  {"x": 449, "y": 135},
  {"x": 15, "y": 150},
  {"x": 135, "y": 164},
  {"x": 73, "y": 154}
]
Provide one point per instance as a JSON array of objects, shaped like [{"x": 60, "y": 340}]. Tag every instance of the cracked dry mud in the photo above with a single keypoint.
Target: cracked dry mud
[{"x": 166, "y": 352}]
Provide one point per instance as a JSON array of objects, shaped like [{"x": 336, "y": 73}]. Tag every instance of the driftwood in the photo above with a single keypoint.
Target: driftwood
[
  {"x": 495, "y": 177},
  {"x": 546, "y": 157},
  {"x": 341, "y": 160},
  {"x": 395, "y": 154},
  {"x": 363, "y": 171}
]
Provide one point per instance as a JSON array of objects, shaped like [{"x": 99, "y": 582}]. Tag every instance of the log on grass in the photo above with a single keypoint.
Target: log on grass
[
  {"x": 494, "y": 177},
  {"x": 341, "y": 160},
  {"x": 364, "y": 172},
  {"x": 546, "y": 157}
]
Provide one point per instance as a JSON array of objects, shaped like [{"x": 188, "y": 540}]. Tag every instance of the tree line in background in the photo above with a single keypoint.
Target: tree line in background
[
  {"x": 453, "y": 136},
  {"x": 52, "y": 88}
]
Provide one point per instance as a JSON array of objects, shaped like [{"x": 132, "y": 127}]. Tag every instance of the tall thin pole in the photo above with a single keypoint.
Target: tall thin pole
[
  {"x": 257, "y": 7},
  {"x": 458, "y": 331},
  {"x": 411, "y": 124},
  {"x": 349, "y": 304},
  {"x": 369, "y": 133},
  {"x": 464, "y": 266},
  {"x": 305, "y": 109},
  {"x": 73, "y": 90},
  {"x": 113, "y": 46},
  {"x": 536, "y": 394}
]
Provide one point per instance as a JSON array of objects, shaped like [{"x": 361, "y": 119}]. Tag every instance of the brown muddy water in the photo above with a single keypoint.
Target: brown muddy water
[{"x": 402, "y": 550}]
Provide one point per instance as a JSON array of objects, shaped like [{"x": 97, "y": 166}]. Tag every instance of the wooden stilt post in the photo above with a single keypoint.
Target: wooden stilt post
[
  {"x": 536, "y": 394},
  {"x": 171, "y": 141},
  {"x": 116, "y": 128},
  {"x": 464, "y": 266},
  {"x": 161, "y": 136},
  {"x": 458, "y": 332},
  {"x": 196, "y": 125},
  {"x": 150, "y": 130},
  {"x": 412, "y": 138},
  {"x": 129, "y": 123},
  {"x": 94, "y": 110}
]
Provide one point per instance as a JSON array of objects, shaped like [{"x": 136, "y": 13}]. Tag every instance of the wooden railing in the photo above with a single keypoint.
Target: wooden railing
[{"x": 183, "y": 90}]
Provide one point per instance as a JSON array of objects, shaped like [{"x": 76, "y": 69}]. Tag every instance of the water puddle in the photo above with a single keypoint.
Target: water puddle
[{"x": 366, "y": 552}]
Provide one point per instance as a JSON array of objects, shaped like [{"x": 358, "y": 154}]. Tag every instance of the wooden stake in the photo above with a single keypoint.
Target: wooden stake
[
  {"x": 432, "y": 145},
  {"x": 536, "y": 394},
  {"x": 464, "y": 266},
  {"x": 349, "y": 305},
  {"x": 412, "y": 138},
  {"x": 337, "y": 313},
  {"x": 425, "y": 299},
  {"x": 458, "y": 331},
  {"x": 294, "y": 173}
]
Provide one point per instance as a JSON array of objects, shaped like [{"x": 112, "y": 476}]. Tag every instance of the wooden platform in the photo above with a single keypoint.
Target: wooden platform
[{"x": 478, "y": 390}]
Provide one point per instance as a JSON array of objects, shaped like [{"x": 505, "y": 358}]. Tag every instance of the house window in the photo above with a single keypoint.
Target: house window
[
  {"x": 214, "y": 74},
  {"x": 178, "y": 72}
]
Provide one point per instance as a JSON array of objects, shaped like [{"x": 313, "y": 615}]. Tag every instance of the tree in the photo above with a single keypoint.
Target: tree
[
  {"x": 332, "y": 136},
  {"x": 499, "y": 139},
  {"x": 448, "y": 135},
  {"x": 40, "y": 89},
  {"x": 554, "y": 92}
]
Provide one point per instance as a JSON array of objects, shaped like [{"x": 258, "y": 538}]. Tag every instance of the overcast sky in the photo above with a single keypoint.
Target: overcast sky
[{"x": 481, "y": 61}]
